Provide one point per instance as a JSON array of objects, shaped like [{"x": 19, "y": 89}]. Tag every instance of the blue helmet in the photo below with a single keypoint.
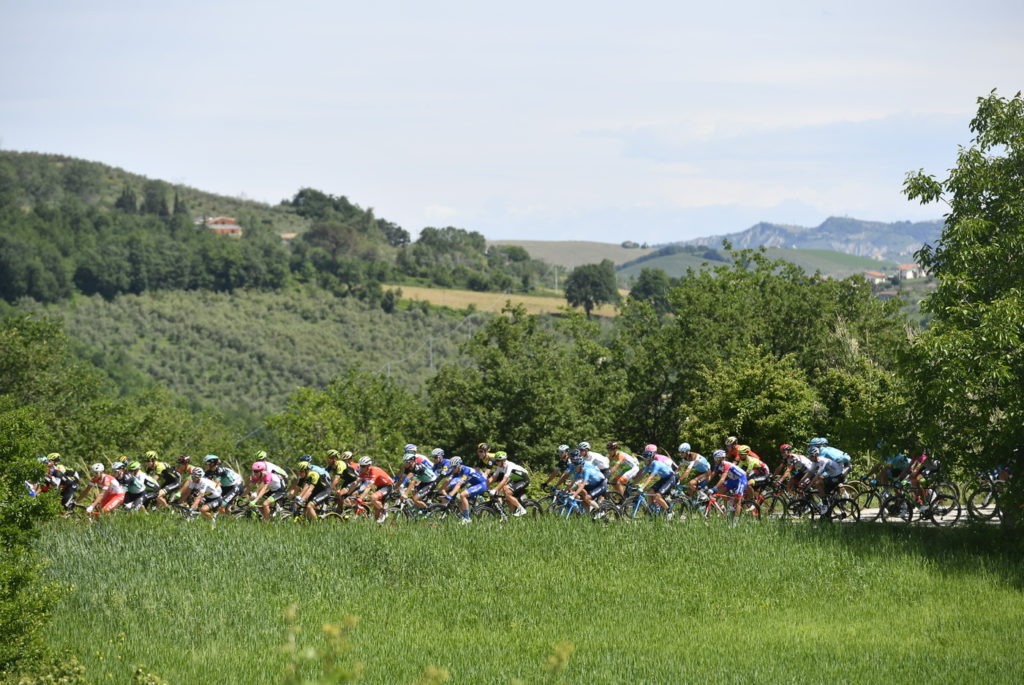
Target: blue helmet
[{"x": 819, "y": 442}]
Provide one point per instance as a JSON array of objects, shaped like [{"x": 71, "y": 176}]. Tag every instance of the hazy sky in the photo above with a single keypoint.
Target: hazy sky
[{"x": 651, "y": 121}]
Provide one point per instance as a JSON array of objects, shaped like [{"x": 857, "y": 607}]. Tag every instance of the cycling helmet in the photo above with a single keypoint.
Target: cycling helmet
[
  {"x": 96, "y": 468},
  {"x": 365, "y": 461},
  {"x": 117, "y": 465},
  {"x": 730, "y": 441},
  {"x": 819, "y": 442},
  {"x": 333, "y": 454},
  {"x": 578, "y": 460},
  {"x": 408, "y": 456},
  {"x": 562, "y": 449},
  {"x": 685, "y": 447},
  {"x": 410, "y": 447},
  {"x": 813, "y": 452},
  {"x": 573, "y": 454},
  {"x": 456, "y": 462},
  {"x": 612, "y": 445},
  {"x": 53, "y": 456},
  {"x": 437, "y": 452},
  {"x": 259, "y": 466},
  {"x": 483, "y": 446},
  {"x": 306, "y": 458},
  {"x": 584, "y": 445},
  {"x": 718, "y": 455},
  {"x": 184, "y": 459},
  {"x": 134, "y": 466},
  {"x": 785, "y": 447},
  {"x": 500, "y": 456},
  {"x": 150, "y": 454},
  {"x": 211, "y": 457},
  {"x": 346, "y": 455},
  {"x": 43, "y": 460},
  {"x": 261, "y": 455},
  {"x": 652, "y": 448},
  {"x": 743, "y": 449},
  {"x": 197, "y": 472},
  {"x": 303, "y": 465}
]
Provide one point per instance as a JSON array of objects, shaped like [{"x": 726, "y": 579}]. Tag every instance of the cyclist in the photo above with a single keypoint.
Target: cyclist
[
  {"x": 596, "y": 458},
  {"x": 732, "y": 448},
  {"x": 230, "y": 481},
  {"x": 662, "y": 458},
  {"x": 205, "y": 492},
  {"x": 421, "y": 479},
  {"x": 512, "y": 481},
  {"x": 313, "y": 484},
  {"x": 65, "y": 479},
  {"x": 374, "y": 483},
  {"x": 270, "y": 486},
  {"x": 562, "y": 467},
  {"x": 796, "y": 467},
  {"x": 110, "y": 492},
  {"x": 486, "y": 457},
  {"x": 168, "y": 478},
  {"x": 827, "y": 474},
  {"x": 922, "y": 470},
  {"x": 889, "y": 469},
  {"x": 700, "y": 467},
  {"x": 757, "y": 471},
  {"x": 466, "y": 484},
  {"x": 625, "y": 467},
  {"x": 342, "y": 471},
  {"x": 439, "y": 463},
  {"x": 141, "y": 489},
  {"x": 659, "y": 473},
  {"x": 732, "y": 479},
  {"x": 589, "y": 483},
  {"x": 833, "y": 453}
]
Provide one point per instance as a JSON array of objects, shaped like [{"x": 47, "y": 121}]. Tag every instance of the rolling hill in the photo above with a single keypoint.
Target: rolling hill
[
  {"x": 828, "y": 262},
  {"x": 572, "y": 253}
]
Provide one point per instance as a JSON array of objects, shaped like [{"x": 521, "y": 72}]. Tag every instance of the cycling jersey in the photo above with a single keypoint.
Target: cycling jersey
[
  {"x": 658, "y": 469},
  {"x": 168, "y": 477},
  {"x": 225, "y": 476},
  {"x": 375, "y": 475},
  {"x": 897, "y": 462},
  {"x": 205, "y": 486},
  {"x": 733, "y": 471},
  {"x": 826, "y": 468},
  {"x": 664, "y": 459},
  {"x": 442, "y": 467},
  {"x": 141, "y": 482},
  {"x": 276, "y": 469},
  {"x": 800, "y": 463},
  {"x": 598, "y": 460},
  {"x": 346, "y": 472},
  {"x": 471, "y": 476},
  {"x": 590, "y": 475},
  {"x": 108, "y": 484},
  {"x": 318, "y": 479},
  {"x": 513, "y": 471},
  {"x": 423, "y": 473},
  {"x": 752, "y": 463},
  {"x": 625, "y": 462},
  {"x": 699, "y": 465},
  {"x": 835, "y": 454}
]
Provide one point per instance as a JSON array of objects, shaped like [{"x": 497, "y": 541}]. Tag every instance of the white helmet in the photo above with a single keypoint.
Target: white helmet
[
  {"x": 408, "y": 456},
  {"x": 96, "y": 468},
  {"x": 685, "y": 447},
  {"x": 197, "y": 472},
  {"x": 365, "y": 461},
  {"x": 437, "y": 452},
  {"x": 584, "y": 445}
]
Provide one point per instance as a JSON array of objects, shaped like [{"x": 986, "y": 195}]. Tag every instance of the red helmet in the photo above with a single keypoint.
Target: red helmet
[{"x": 785, "y": 446}]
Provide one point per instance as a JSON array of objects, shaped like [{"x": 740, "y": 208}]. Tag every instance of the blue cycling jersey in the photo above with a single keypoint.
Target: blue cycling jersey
[
  {"x": 658, "y": 468},
  {"x": 590, "y": 475},
  {"x": 322, "y": 471},
  {"x": 700, "y": 465},
  {"x": 471, "y": 476},
  {"x": 442, "y": 467},
  {"x": 897, "y": 461},
  {"x": 835, "y": 454}
]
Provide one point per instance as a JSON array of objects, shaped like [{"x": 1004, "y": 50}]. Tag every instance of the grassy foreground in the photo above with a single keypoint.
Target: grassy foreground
[{"x": 653, "y": 602}]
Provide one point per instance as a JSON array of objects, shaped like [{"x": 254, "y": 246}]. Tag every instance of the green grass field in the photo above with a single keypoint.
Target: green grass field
[
  {"x": 648, "y": 602},
  {"x": 573, "y": 253}
]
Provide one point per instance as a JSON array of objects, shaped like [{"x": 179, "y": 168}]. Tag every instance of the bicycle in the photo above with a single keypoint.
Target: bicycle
[
  {"x": 640, "y": 504},
  {"x": 983, "y": 500},
  {"x": 729, "y": 505},
  {"x": 565, "y": 505},
  {"x": 941, "y": 509}
]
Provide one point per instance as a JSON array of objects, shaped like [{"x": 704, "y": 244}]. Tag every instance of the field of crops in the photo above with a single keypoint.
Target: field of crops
[
  {"x": 540, "y": 601},
  {"x": 493, "y": 302}
]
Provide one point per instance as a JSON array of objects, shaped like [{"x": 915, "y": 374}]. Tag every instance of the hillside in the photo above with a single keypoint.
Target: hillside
[
  {"x": 894, "y": 242},
  {"x": 572, "y": 253},
  {"x": 243, "y": 353},
  {"x": 828, "y": 262}
]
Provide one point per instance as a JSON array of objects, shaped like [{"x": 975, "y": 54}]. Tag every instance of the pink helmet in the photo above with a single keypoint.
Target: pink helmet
[
  {"x": 650, "y": 448},
  {"x": 259, "y": 466}
]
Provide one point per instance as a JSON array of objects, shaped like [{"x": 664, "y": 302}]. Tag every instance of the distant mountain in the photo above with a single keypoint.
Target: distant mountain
[{"x": 875, "y": 239}]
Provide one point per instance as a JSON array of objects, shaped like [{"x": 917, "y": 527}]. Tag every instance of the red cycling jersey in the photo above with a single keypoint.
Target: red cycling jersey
[{"x": 375, "y": 475}]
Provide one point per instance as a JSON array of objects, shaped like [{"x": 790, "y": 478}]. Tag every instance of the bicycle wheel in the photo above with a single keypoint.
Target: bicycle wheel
[
  {"x": 751, "y": 509},
  {"x": 897, "y": 509},
  {"x": 844, "y": 509},
  {"x": 982, "y": 505},
  {"x": 944, "y": 510},
  {"x": 533, "y": 509},
  {"x": 334, "y": 518},
  {"x": 774, "y": 508},
  {"x": 488, "y": 510},
  {"x": 870, "y": 504},
  {"x": 606, "y": 511},
  {"x": 634, "y": 507}
]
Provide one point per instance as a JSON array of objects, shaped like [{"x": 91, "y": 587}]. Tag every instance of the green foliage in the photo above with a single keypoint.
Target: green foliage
[
  {"x": 966, "y": 368},
  {"x": 362, "y": 412},
  {"x": 592, "y": 285},
  {"x": 522, "y": 387},
  {"x": 652, "y": 286}
]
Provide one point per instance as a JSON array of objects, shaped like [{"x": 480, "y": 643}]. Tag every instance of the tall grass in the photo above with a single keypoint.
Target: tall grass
[{"x": 488, "y": 603}]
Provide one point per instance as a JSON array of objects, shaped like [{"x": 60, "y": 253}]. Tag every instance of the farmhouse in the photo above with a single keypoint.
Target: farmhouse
[
  {"x": 875, "y": 277},
  {"x": 911, "y": 271},
  {"x": 221, "y": 225}
]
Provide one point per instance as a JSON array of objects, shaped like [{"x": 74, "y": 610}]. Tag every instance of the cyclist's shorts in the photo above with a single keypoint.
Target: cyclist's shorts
[
  {"x": 212, "y": 501},
  {"x": 597, "y": 489},
  {"x": 519, "y": 487},
  {"x": 424, "y": 489},
  {"x": 110, "y": 502},
  {"x": 321, "y": 496},
  {"x": 229, "y": 492},
  {"x": 894, "y": 474},
  {"x": 384, "y": 492},
  {"x": 133, "y": 500},
  {"x": 736, "y": 486},
  {"x": 476, "y": 490},
  {"x": 665, "y": 484}
]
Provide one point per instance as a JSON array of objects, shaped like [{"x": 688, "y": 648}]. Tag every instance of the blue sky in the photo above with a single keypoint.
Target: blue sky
[{"x": 651, "y": 121}]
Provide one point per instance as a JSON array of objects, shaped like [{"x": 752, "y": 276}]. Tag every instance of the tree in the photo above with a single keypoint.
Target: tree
[
  {"x": 154, "y": 199},
  {"x": 652, "y": 286},
  {"x": 592, "y": 285},
  {"x": 968, "y": 366},
  {"x": 127, "y": 201}
]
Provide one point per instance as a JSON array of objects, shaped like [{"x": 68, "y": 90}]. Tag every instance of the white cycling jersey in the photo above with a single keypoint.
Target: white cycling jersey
[
  {"x": 205, "y": 486},
  {"x": 598, "y": 460}
]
